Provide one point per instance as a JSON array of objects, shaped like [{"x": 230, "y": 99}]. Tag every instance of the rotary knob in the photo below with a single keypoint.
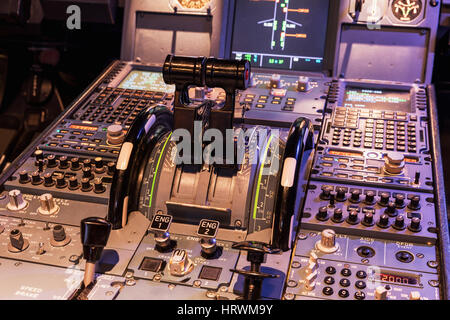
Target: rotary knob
[
  {"x": 325, "y": 194},
  {"x": 111, "y": 168},
  {"x": 303, "y": 84},
  {"x": 414, "y": 295},
  {"x": 384, "y": 199},
  {"x": 86, "y": 186},
  {"x": 383, "y": 222},
  {"x": 48, "y": 180},
  {"x": 399, "y": 200},
  {"x": 75, "y": 164},
  {"x": 36, "y": 178},
  {"x": 17, "y": 243},
  {"x": 98, "y": 165},
  {"x": 179, "y": 263},
  {"x": 381, "y": 293},
  {"x": 39, "y": 155},
  {"x": 60, "y": 238},
  {"x": 415, "y": 226},
  {"x": 275, "y": 81},
  {"x": 16, "y": 201},
  {"x": 87, "y": 173},
  {"x": 399, "y": 223},
  {"x": 355, "y": 196},
  {"x": 63, "y": 162},
  {"x": 98, "y": 186},
  {"x": 61, "y": 181},
  {"x": 414, "y": 204},
  {"x": 340, "y": 194},
  {"x": 327, "y": 243},
  {"x": 48, "y": 205},
  {"x": 394, "y": 163},
  {"x": 368, "y": 219},
  {"x": 337, "y": 215},
  {"x": 370, "y": 197},
  {"x": 73, "y": 183},
  {"x": 353, "y": 217},
  {"x": 391, "y": 209},
  {"x": 51, "y": 161},
  {"x": 24, "y": 177},
  {"x": 322, "y": 215},
  {"x": 114, "y": 134}
]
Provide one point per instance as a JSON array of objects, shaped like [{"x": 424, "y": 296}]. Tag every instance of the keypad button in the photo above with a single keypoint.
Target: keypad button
[{"x": 330, "y": 270}]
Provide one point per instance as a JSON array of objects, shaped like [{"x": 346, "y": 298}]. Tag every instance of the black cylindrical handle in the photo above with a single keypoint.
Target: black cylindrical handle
[{"x": 94, "y": 236}]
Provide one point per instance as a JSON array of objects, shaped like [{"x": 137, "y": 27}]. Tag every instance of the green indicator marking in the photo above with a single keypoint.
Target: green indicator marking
[
  {"x": 255, "y": 207},
  {"x": 156, "y": 170}
]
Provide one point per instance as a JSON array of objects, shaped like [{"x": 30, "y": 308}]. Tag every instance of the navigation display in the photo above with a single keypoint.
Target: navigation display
[
  {"x": 281, "y": 34},
  {"x": 146, "y": 80},
  {"x": 379, "y": 99}
]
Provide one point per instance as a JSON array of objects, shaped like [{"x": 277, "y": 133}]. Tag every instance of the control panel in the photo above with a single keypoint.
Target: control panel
[{"x": 327, "y": 185}]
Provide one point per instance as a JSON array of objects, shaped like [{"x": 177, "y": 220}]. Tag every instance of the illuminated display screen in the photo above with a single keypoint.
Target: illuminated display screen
[
  {"x": 146, "y": 80},
  {"x": 378, "y": 99},
  {"x": 281, "y": 34},
  {"x": 385, "y": 276}
]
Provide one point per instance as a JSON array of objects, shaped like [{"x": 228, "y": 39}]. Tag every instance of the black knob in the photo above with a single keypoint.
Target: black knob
[
  {"x": 86, "y": 163},
  {"x": 399, "y": 200},
  {"x": 322, "y": 215},
  {"x": 325, "y": 195},
  {"x": 399, "y": 223},
  {"x": 51, "y": 161},
  {"x": 337, "y": 215},
  {"x": 48, "y": 180},
  {"x": 87, "y": 173},
  {"x": 85, "y": 185},
  {"x": 353, "y": 217},
  {"x": 340, "y": 194},
  {"x": 111, "y": 168},
  {"x": 63, "y": 162},
  {"x": 39, "y": 155},
  {"x": 383, "y": 222},
  {"x": 73, "y": 183},
  {"x": 36, "y": 178},
  {"x": 355, "y": 196},
  {"x": 60, "y": 181},
  {"x": 98, "y": 186},
  {"x": 24, "y": 177},
  {"x": 368, "y": 219},
  {"x": 40, "y": 164},
  {"x": 384, "y": 199},
  {"x": 75, "y": 164},
  {"x": 59, "y": 234},
  {"x": 391, "y": 209},
  {"x": 414, "y": 204},
  {"x": 99, "y": 168},
  {"x": 94, "y": 236},
  {"x": 370, "y": 197},
  {"x": 415, "y": 226},
  {"x": 332, "y": 199}
]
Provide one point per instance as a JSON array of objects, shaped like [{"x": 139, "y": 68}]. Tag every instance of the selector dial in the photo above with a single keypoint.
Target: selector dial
[
  {"x": 16, "y": 201},
  {"x": 327, "y": 243},
  {"x": 48, "y": 205},
  {"x": 179, "y": 263}
]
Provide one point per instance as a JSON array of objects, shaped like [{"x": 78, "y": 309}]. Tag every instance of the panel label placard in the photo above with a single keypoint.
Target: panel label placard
[
  {"x": 161, "y": 222},
  {"x": 208, "y": 228}
]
